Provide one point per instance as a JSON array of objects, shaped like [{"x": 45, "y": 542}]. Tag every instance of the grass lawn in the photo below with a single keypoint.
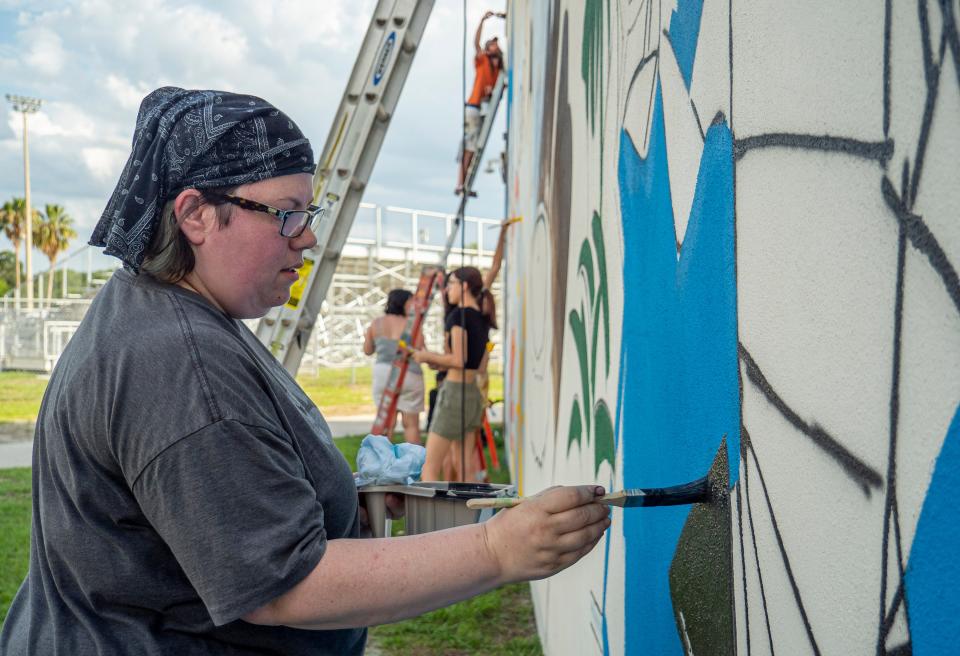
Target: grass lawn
[
  {"x": 337, "y": 392},
  {"x": 498, "y": 623},
  {"x": 20, "y": 395},
  {"x": 14, "y": 533}
]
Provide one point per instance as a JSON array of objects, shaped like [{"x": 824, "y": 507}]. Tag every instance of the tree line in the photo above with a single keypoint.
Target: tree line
[{"x": 51, "y": 232}]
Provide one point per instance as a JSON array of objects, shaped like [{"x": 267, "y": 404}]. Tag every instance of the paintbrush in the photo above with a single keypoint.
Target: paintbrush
[{"x": 698, "y": 491}]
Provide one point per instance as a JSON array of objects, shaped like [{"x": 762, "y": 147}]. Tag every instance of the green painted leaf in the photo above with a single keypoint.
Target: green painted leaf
[
  {"x": 579, "y": 332},
  {"x": 591, "y": 62},
  {"x": 586, "y": 265},
  {"x": 602, "y": 306},
  {"x": 576, "y": 425},
  {"x": 603, "y": 448}
]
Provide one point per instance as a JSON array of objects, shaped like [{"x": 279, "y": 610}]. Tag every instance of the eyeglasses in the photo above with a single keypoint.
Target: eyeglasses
[{"x": 292, "y": 222}]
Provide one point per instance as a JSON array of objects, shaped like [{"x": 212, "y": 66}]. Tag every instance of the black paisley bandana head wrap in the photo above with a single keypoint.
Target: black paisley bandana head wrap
[{"x": 194, "y": 139}]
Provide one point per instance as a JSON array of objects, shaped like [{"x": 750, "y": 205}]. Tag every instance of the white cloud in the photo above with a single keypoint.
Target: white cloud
[
  {"x": 55, "y": 119},
  {"x": 44, "y": 51},
  {"x": 105, "y": 164},
  {"x": 124, "y": 92}
]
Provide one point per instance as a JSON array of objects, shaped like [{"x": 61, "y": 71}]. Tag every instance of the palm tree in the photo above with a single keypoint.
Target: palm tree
[
  {"x": 52, "y": 235},
  {"x": 11, "y": 220}
]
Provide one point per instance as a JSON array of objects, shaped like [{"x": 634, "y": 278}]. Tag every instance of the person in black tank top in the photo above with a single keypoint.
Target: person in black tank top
[{"x": 460, "y": 404}]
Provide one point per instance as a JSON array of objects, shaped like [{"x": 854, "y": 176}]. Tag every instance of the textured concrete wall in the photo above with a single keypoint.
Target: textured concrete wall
[{"x": 738, "y": 254}]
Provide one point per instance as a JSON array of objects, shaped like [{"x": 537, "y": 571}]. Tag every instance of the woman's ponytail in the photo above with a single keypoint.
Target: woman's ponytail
[{"x": 488, "y": 307}]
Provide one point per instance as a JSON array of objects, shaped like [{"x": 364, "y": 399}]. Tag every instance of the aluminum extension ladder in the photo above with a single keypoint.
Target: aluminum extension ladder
[{"x": 344, "y": 167}]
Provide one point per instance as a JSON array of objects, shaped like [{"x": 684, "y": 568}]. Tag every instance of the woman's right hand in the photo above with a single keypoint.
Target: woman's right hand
[{"x": 546, "y": 533}]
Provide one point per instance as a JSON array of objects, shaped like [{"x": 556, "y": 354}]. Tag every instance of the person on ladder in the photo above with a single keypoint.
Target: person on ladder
[
  {"x": 381, "y": 338},
  {"x": 487, "y": 62}
]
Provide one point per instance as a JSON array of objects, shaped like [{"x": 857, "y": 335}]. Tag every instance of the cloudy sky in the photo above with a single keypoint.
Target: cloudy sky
[{"x": 92, "y": 61}]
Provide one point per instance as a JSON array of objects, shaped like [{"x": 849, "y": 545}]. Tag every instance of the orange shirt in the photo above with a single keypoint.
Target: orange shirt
[{"x": 485, "y": 78}]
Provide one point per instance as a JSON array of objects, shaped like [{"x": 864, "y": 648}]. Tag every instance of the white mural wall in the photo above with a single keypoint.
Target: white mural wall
[{"x": 738, "y": 256}]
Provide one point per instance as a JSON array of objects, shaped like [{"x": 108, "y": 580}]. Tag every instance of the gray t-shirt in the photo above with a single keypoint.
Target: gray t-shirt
[{"x": 181, "y": 479}]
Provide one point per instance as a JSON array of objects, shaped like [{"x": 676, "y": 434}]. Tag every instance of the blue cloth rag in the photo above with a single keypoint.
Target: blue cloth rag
[{"x": 379, "y": 462}]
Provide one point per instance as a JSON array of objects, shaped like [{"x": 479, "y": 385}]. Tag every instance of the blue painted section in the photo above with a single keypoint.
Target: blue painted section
[
  {"x": 678, "y": 388},
  {"x": 684, "y": 31},
  {"x": 933, "y": 575}
]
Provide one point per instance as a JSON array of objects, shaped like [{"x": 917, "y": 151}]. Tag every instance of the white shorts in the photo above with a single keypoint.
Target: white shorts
[
  {"x": 411, "y": 396},
  {"x": 471, "y": 127}
]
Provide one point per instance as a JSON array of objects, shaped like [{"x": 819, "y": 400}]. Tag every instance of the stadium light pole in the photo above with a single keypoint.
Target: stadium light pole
[{"x": 26, "y": 106}]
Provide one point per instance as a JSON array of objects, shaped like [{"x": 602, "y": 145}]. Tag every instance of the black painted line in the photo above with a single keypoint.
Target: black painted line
[
  {"x": 743, "y": 567},
  {"x": 891, "y": 615},
  {"x": 596, "y": 637},
  {"x": 931, "y": 73},
  {"x": 696, "y": 115},
  {"x": 633, "y": 26},
  {"x": 783, "y": 552},
  {"x": 862, "y": 473},
  {"x": 730, "y": 56},
  {"x": 753, "y": 536},
  {"x": 894, "y": 419},
  {"x": 925, "y": 126},
  {"x": 924, "y": 241},
  {"x": 924, "y": 21},
  {"x": 943, "y": 47},
  {"x": 870, "y": 150},
  {"x": 904, "y": 179},
  {"x": 643, "y": 62},
  {"x": 900, "y": 559},
  {"x": 906, "y": 649},
  {"x": 953, "y": 38},
  {"x": 653, "y": 88},
  {"x": 646, "y": 27},
  {"x": 886, "y": 69}
]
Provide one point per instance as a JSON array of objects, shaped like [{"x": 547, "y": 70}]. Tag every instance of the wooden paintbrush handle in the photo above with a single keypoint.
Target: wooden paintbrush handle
[{"x": 493, "y": 502}]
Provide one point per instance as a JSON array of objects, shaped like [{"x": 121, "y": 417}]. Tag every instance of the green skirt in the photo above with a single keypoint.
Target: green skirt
[{"x": 459, "y": 410}]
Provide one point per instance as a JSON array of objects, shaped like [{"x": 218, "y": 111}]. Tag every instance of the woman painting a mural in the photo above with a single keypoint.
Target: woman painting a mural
[
  {"x": 460, "y": 402},
  {"x": 187, "y": 495}
]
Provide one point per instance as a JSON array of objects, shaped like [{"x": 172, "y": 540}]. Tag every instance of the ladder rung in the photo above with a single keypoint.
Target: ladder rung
[
  {"x": 343, "y": 172},
  {"x": 357, "y": 185},
  {"x": 285, "y": 322},
  {"x": 408, "y": 45},
  {"x": 380, "y": 21},
  {"x": 399, "y": 21},
  {"x": 371, "y": 97},
  {"x": 382, "y": 113},
  {"x": 353, "y": 97}
]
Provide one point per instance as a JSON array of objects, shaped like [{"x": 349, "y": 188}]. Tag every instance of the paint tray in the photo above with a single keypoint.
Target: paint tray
[{"x": 431, "y": 506}]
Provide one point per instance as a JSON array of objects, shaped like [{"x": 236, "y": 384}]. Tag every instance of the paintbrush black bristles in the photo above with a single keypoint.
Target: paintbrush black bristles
[{"x": 698, "y": 491}]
